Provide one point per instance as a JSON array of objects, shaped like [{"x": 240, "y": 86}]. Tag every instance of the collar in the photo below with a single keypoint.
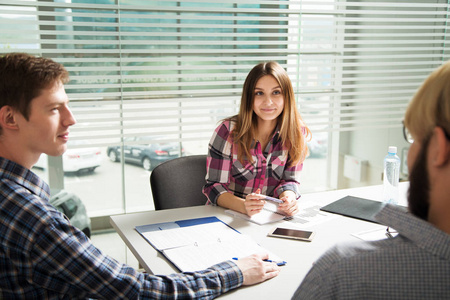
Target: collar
[
  {"x": 12, "y": 171},
  {"x": 418, "y": 231}
]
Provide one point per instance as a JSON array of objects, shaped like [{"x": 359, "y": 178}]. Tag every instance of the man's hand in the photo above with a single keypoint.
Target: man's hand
[{"x": 256, "y": 270}]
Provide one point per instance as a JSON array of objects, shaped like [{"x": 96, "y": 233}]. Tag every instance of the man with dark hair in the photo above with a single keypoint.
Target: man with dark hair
[
  {"x": 42, "y": 256},
  {"x": 416, "y": 263}
]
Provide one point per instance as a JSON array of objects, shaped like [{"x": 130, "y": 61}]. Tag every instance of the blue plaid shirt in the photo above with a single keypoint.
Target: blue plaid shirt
[
  {"x": 43, "y": 257},
  {"x": 413, "y": 265}
]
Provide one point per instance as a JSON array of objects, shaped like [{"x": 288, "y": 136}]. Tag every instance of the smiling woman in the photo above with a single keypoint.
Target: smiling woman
[
  {"x": 268, "y": 104},
  {"x": 265, "y": 144}
]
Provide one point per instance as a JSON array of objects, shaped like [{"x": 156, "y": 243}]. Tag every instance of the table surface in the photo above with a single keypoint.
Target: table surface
[{"x": 299, "y": 255}]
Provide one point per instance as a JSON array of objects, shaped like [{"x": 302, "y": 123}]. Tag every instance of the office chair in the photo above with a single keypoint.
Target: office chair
[{"x": 179, "y": 182}]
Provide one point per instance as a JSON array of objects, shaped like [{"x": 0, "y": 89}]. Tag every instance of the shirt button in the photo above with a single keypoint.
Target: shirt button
[{"x": 264, "y": 161}]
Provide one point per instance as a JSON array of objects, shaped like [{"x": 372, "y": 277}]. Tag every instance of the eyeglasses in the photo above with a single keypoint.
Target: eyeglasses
[
  {"x": 391, "y": 233},
  {"x": 408, "y": 137}
]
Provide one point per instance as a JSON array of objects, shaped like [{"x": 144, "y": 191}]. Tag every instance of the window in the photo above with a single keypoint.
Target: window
[{"x": 168, "y": 71}]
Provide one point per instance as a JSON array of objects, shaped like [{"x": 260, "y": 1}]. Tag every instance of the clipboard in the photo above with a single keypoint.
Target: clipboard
[
  {"x": 355, "y": 207},
  {"x": 196, "y": 244}
]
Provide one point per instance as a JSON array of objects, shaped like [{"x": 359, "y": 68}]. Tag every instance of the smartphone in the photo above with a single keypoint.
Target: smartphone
[{"x": 295, "y": 234}]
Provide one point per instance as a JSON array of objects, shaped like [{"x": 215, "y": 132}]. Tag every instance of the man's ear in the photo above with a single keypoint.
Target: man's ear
[
  {"x": 8, "y": 118},
  {"x": 442, "y": 150}
]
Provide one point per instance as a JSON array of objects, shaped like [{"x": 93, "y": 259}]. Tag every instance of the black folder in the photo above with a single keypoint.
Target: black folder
[{"x": 359, "y": 208}]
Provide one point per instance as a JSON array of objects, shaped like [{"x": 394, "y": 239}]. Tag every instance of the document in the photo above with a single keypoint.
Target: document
[
  {"x": 372, "y": 235},
  {"x": 309, "y": 214},
  {"x": 268, "y": 214},
  {"x": 196, "y": 244}
]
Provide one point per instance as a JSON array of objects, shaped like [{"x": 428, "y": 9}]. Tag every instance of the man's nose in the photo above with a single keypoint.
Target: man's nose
[{"x": 69, "y": 118}]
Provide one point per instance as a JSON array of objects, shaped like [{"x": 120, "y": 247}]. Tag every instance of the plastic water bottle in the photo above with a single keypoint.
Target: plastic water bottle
[{"x": 391, "y": 176}]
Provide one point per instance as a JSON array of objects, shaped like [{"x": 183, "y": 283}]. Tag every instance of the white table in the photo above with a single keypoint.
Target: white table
[{"x": 299, "y": 255}]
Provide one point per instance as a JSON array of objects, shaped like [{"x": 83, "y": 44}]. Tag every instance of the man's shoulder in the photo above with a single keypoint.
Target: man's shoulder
[
  {"x": 358, "y": 252},
  {"x": 20, "y": 206}
]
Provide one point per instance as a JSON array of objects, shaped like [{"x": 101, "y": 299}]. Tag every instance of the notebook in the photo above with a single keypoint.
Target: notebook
[{"x": 359, "y": 208}]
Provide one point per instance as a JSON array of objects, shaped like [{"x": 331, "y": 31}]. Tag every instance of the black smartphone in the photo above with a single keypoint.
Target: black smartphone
[{"x": 295, "y": 234}]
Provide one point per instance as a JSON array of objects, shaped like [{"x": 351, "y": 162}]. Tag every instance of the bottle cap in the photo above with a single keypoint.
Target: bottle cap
[{"x": 392, "y": 149}]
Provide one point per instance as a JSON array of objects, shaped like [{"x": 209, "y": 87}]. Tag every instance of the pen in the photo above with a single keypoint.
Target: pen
[
  {"x": 273, "y": 199},
  {"x": 279, "y": 263}
]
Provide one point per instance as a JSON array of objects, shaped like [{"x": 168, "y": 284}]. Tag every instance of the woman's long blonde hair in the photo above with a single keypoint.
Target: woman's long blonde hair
[{"x": 290, "y": 122}]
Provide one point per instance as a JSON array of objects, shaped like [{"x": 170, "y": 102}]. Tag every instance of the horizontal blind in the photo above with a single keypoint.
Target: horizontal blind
[{"x": 175, "y": 68}]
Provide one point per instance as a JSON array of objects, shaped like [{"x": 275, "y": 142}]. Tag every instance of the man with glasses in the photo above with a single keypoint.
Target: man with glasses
[{"x": 415, "y": 264}]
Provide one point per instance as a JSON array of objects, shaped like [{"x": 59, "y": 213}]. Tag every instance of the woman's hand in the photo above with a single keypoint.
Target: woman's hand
[
  {"x": 254, "y": 203},
  {"x": 290, "y": 205}
]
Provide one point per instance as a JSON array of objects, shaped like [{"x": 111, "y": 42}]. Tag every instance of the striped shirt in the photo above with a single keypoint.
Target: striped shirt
[
  {"x": 413, "y": 265},
  {"x": 269, "y": 170},
  {"x": 43, "y": 257}
]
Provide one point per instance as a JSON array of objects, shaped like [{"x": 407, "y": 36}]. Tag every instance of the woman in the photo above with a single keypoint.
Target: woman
[{"x": 261, "y": 150}]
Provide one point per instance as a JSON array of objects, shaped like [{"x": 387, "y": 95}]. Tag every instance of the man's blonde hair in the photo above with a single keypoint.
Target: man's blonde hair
[{"x": 430, "y": 106}]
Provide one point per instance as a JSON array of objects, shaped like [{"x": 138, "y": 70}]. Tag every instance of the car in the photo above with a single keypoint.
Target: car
[
  {"x": 71, "y": 205},
  {"x": 318, "y": 145},
  {"x": 147, "y": 151},
  {"x": 76, "y": 160}
]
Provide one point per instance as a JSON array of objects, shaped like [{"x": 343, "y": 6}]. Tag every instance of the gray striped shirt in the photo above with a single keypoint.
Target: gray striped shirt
[{"x": 413, "y": 265}]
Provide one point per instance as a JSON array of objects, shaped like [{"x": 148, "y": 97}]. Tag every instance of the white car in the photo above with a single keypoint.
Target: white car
[{"x": 76, "y": 160}]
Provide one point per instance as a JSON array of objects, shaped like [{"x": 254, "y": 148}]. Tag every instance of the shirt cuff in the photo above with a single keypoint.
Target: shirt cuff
[
  {"x": 289, "y": 187},
  {"x": 230, "y": 275}
]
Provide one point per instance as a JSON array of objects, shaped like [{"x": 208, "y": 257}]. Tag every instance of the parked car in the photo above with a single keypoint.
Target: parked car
[
  {"x": 318, "y": 145},
  {"x": 147, "y": 151},
  {"x": 76, "y": 160},
  {"x": 74, "y": 209}
]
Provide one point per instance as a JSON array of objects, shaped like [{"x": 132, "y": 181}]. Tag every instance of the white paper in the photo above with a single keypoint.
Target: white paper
[
  {"x": 264, "y": 217},
  {"x": 269, "y": 214},
  {"x": 201, "y": 256},
  {"x": 310, "y": 214},
  {"x": 177, "y": 237},
  {"x": 372, "y": 235},
  {"x": 198, "y": 247}
]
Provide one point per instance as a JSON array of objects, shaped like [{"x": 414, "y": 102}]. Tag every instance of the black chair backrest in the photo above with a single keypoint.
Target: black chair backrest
[{"x": 179, "y": 182}]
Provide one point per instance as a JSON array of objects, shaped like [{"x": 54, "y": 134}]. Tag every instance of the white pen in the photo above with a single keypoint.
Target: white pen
[{"x": 273, "y": 199}]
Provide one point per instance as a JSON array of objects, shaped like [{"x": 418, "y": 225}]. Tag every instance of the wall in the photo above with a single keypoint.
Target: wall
[
  {"x": 370, "y": 145},
  {"x": 389, "y": 82}
]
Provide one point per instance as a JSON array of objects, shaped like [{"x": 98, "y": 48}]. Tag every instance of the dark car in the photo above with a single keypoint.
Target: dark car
[
  {"x": 71, "y": 205},
  {"x": 146, "y": 151}
]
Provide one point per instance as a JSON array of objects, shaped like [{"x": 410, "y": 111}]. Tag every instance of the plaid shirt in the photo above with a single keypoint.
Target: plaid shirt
[
  {"x": 413, "y": 265},
  {"x": 269, "y": 170},
  {"x": 43, "y": 257}
]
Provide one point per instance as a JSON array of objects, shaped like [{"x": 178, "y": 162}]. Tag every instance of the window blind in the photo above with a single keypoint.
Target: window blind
[{"x": 175, "y": 68}]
